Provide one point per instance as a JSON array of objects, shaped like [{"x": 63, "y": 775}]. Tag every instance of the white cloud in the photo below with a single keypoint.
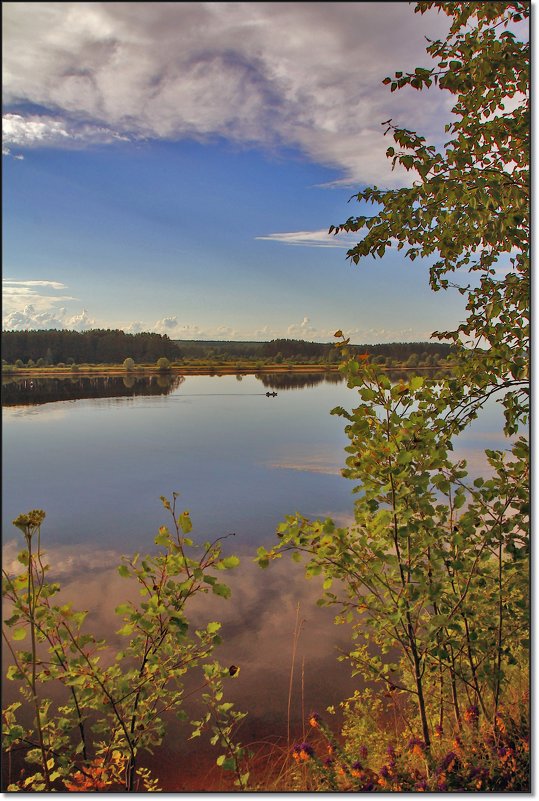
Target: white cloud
[
  {"x": 303, "y": 330},
  {"x": 313, "y": 239},
  {"x": 306, "y": 75},
  {"x": 370, "y": 336},
  {"x": 8, "y": 282},
  {"x": 27, "y": 306},
  {"x": 136, "y": 327},
  {"x": 51, "y": 132},
  {"x": 30, "y": 318}
]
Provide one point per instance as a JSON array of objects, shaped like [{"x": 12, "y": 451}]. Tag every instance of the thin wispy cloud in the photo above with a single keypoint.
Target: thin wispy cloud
[
  {"x": 313, "y": 239},
  {"x": 31, "y": 131},
  {"x": 9, "y": 283},
  {"x": 249, "y": 72}
]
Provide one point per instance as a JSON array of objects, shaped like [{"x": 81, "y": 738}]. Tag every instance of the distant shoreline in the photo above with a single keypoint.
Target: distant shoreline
[{"x": 189, "y": 369}]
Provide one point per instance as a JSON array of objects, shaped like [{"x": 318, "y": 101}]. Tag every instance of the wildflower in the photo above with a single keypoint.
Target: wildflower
[
  {"x": 363, "y": 357},
  {"x": 471, "y": 714},
  {"x": 390, "y": 751},
  {"x": 303, "y": 752},
  {"x": 421, "y": 785},
  {"x": 328, "y": 761},
  {"x": 417, "y": 746},
  {"x": 499, "y": 723},
  {"x": 384, "y": 772},
  {"x": 438, "y": 731},
  {"x": 314, "y": 720},
  {"x": 477, "y": 776},
  {"x": 447, "y": 763},
  {"x": 505, "y": 754},
  {"x": 330, "y": 749},
  {"x": 457, "y": 743},
  {"x": 363, "y": 751},
  {"x": 356, "y": 769}
]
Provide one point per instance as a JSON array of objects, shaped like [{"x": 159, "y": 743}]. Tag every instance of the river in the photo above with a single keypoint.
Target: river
[{"x": 96, "y": 455}]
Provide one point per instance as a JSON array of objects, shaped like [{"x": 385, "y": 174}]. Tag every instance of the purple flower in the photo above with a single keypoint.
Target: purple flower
[
  {"x": 416, "y": 746},
  {"x": 446, "y": 763},
  {"x": 471, "y": 714}
]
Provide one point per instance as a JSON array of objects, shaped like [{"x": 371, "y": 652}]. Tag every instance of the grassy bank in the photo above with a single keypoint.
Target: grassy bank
[{"x": 189, "y": 368}]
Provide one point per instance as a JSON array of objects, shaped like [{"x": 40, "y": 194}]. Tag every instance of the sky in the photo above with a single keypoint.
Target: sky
[{"x": 175, "y": 167}]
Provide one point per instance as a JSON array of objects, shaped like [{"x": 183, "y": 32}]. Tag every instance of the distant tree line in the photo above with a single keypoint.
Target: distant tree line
[
  {"x": 295, "y": 349},
  {"x": 399, "y": 351},
  {"x": 106, "y": 346},
  {"x": 99, "y": 346}
]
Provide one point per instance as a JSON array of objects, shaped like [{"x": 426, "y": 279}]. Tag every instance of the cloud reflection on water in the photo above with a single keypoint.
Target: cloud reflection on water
[{"x": 258, "y": 624}]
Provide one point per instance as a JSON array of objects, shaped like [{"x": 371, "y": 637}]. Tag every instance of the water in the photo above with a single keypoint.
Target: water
[{"x": 241, "y": 462}]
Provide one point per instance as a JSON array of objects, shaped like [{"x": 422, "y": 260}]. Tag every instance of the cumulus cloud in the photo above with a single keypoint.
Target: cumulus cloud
[
  {"x": 303, "y": 330},
  {"x": 313, "y": 239},
  {"x": 306, "y": 75},
  {"x": 30, "y": 318},
  {"x": 28, "y": 305},
  {"x": 176, "y": 329}
]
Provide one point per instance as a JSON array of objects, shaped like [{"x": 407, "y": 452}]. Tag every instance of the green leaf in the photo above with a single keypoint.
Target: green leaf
[
  {"x": 230, "y": 562},
  {"x": 226, "y": 763},
  {"x": 13, "y": 673},
  {"x": 221, "y": 589},
  {"x": 126, "y": 630},
  {"x": 185, "y": 522},
  {"x": 163, "y": 537},
  {"x": 212, "y": 627},
  {"x": 18, "y": 634}
]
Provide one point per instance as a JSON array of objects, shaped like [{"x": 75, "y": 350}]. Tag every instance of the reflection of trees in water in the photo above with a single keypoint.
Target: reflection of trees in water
[
  {"x": 405, "y": 375},
  {"x": 297, "y": 380},
  {"x": 34, "y": 391}
]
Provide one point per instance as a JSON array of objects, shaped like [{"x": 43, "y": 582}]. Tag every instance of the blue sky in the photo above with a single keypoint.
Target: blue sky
[{"x": 174, "y": 167}]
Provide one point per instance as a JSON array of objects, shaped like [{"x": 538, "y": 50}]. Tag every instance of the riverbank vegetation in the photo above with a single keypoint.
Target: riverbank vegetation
[
  {"x": 433, "y": 574},
  {"x": 114, "y": 350}
]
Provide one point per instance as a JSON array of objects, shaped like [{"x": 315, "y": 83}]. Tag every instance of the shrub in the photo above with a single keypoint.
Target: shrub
[
  {"x": 163, "y": 363},
  {"x": 110, "y": 711}
]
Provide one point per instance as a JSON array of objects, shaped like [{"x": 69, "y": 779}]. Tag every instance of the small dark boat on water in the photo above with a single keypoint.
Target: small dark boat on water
[{"x": 271, "y": 394}]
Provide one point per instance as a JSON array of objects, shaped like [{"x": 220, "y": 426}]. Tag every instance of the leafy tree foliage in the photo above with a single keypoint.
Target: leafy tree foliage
[
  {"x": 470, "y": 207},
  {"x": 113, "y": 710},
  {"x": 434, "y": 572}
]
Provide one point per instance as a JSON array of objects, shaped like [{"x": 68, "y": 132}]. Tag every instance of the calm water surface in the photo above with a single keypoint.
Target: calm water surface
[{"x": 241, "y": 462}]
